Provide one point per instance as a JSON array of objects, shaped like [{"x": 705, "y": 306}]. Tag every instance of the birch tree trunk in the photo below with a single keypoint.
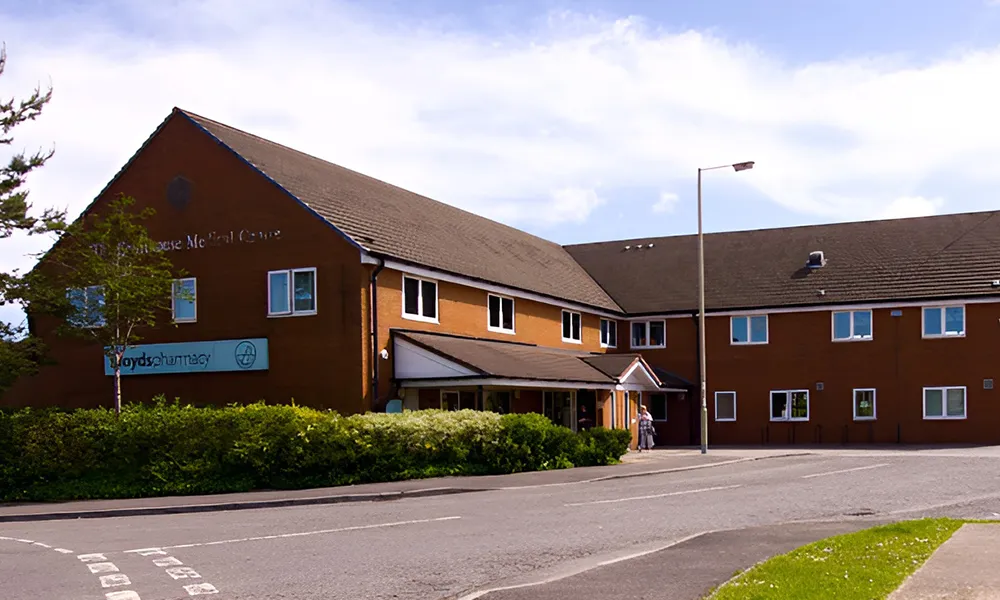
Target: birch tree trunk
[{"x": 118, "y": 382}]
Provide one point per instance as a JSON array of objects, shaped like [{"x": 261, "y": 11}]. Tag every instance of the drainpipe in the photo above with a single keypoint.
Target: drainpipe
[{"x": 373, "y": 310}]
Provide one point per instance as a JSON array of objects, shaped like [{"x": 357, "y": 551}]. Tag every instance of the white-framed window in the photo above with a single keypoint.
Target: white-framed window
[
  {"x": 420, "y": 299},
  {"x": 609, "y": 333},
  {"x": 571, "y": 328},
  {"x": 725, "y": 406},
  {"x": 657, "y": 405},
  {"x": 88, "y": 307},
  {"x": 749, "y": 329},
  {"x": 184, "y": 300},
  {"x": 649, "y": 334},
  {"x": 943, "y": 321},
  {"x": 790, "y": 405},
  {"x": 852, "y": 325},
  {"x": 500, "y": 315},
  {"x": 944, "y": 402},
  {"x": 864, "y": 404},
  {"x": 291, "y": 292}
]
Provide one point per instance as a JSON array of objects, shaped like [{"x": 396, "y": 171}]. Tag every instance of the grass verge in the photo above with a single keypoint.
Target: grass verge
[{"x": 863, "y": 565}]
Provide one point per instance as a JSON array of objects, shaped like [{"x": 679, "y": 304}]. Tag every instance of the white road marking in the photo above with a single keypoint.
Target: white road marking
[
  {"x": 698, "y": 491},
  {"x": 124, "y": 595},
  {"x": 146, "y": 551},
  {"x": 845, "y": 471},
  {"x": 43, "y": 545},
  {"x": 200, "y": 588},
  {"x": 114, "y": 580},
  {"x": 564, "y": 575},
  {"x": 300, "y": 534},
  {"x": 64, "y": 551},
  {"x": 92, "y": 557},
  {"x": 104, "y": 567},
  {"x": 183, "y": 573},
  {"x": 169, "y": 561},
  {"x": 25, "y": 541}
]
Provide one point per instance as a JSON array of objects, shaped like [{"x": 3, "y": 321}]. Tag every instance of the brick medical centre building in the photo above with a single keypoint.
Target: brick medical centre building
[{"x": 316, "y": 283}]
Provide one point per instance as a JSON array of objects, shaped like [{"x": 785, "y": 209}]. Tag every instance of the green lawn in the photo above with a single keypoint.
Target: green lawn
[{"x": 866, "y": 565}]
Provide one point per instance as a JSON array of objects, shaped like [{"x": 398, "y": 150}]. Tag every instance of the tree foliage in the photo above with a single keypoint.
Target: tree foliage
[
  {"x": 20, "y": 354},
  {"x": 118, "y": 280}
]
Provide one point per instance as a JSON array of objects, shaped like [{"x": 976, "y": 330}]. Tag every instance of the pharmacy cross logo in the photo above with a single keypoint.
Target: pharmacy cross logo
[{"x": 246, "y": 354}]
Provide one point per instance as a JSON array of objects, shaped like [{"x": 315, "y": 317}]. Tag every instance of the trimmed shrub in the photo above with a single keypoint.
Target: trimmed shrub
[{"x": 173, "y": 449}]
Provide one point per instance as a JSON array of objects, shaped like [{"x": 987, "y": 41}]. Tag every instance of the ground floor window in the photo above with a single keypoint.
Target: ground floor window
[
  {"x": 558, "y": 407},
  {"x": 944, "y": 403},
  {"x": 657, "y": 405},
  {"x": 449, "y": 400},
  {"x": 790, "y": 405},
  {"x": 864, "y": 405},
  {"x": 498, "y": 401},
  {"x": 725, "y": 406}
]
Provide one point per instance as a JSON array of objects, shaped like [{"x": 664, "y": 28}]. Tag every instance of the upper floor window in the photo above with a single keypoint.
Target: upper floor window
[
  {"x": 184, "y": 300},
  {"x": 88, "y": 306},
  {"x": 649, "y": 334},
  {"x": 791, "y": 405},
  {"x": 571, "y": 329},
  {"x": 944, "y": 321},
  {"x": 501, "y": 313},
  {"x": 749, "y": 330},
  {"x": 944, "y": 403},
  {"x": 852, "y": 325},
  {"x": 609, "y": 333},
  {"x": 291, "y": 292},
  {"x": 420, "y": 299}
]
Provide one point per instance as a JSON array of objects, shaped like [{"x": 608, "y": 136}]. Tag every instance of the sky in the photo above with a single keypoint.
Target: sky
[{"x": 576, "y": 120}]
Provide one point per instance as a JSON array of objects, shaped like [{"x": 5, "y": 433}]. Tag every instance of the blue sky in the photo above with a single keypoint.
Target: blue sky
[{"x": 577, "y": 121}]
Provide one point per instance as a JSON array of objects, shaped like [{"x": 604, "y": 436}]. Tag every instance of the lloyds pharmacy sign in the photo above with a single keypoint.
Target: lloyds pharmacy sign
[{"x": 193, "y": 357}]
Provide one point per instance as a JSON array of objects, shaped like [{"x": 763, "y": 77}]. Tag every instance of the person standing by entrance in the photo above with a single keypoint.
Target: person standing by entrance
[{"x": 646, "y": 430}]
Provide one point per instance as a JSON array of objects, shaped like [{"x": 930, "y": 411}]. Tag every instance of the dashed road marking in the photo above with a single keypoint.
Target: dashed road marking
[
  {"x": 115, "y": 580},
  {"x": 845, "y": 471},
  {"x": 123, "y": 595},
  {"x": 169, "y": 561},
  {"x": 146, "y": 551},
  {"x": 183, "y": 573},
  {"x": 680, "y": 493},
  {"x": 104, "y": 567},
  {"x": 200, "y": 588},
  {"x": 292, "y": 535},
  {"x": 24, "y": 541},
  {"x": 92, "y": 557},
  {"x": 42, "y": 545},
  {"x": 63, "y": 551}
]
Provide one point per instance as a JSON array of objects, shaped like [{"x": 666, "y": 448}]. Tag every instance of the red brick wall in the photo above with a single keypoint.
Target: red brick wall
[
  {"x": 313, "y": 359},
  {"x": 898, "y": 363}
]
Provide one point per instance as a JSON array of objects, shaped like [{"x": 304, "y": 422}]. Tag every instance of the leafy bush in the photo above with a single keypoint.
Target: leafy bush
[{"x": 169, "y": 449}]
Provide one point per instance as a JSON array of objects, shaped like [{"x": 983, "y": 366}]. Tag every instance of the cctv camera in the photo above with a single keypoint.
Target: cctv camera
[{"x": 384, "y": 354}]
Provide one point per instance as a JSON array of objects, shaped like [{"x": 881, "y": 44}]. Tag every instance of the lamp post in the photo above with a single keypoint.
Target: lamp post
[{"x": 743, "y": 166}]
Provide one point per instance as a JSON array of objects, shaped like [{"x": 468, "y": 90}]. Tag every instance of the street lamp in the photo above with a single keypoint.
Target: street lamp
[{"x": 743, "y": 166}]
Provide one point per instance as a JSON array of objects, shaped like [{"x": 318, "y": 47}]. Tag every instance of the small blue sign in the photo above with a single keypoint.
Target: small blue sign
[{"x": 193, "y": 357}]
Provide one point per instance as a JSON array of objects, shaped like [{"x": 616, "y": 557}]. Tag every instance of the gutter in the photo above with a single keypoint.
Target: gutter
[{"x": 373, "y": 311}]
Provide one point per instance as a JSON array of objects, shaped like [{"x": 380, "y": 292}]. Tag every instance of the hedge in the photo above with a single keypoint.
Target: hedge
[{"x": 172, "y": 449}]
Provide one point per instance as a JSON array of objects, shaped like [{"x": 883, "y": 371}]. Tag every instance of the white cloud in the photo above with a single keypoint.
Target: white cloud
[
  {"x": 523, "y": 127},
  {"x": 667, "y": 203},
  {"x": 912, "y": 206}
]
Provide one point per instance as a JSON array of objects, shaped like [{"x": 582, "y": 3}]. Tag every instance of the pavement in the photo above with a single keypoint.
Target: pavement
[
  {"x": 535, "y": 533},
  {"x": 633, "y": 464},
  {"x": 963, "y": 568}
]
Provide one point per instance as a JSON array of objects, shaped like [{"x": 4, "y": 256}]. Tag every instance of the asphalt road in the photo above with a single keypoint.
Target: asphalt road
[{"x": 451, "y": 546}]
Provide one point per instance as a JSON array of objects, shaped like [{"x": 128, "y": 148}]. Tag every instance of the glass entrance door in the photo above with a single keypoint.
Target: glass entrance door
[{"x": 559, "y": 407}]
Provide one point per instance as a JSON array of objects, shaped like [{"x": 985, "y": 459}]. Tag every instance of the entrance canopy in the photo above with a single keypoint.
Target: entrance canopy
[{"x": 430, "y": 360}]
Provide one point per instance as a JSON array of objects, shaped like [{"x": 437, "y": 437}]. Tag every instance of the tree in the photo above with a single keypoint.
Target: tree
[
  {"x": 117, "y": 280},
  {"x": 20, "y": 354}
]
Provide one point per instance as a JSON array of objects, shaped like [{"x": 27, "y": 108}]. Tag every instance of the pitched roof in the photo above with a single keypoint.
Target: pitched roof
[
  {"x": 509, "y": 360},
  {"x": 394, "y": 222},
  {"x": 869, "y": 261}
]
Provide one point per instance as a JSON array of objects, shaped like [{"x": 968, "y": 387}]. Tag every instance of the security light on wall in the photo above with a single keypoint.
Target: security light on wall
[{"x": 384, "y": 354}]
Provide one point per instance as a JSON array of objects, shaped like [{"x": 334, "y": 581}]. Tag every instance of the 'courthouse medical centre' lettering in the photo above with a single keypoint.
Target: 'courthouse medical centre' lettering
[{"x": 213, "y": 239}]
